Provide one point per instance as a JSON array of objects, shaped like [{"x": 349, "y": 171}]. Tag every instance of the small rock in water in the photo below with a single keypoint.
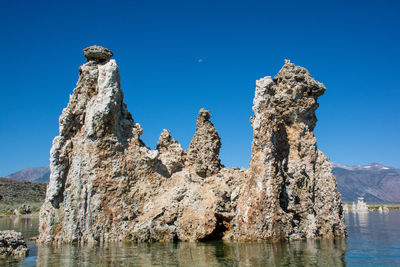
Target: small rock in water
[{"x": 12, "y": 244}]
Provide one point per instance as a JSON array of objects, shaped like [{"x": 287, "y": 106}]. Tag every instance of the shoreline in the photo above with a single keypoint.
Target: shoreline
[
  {"x": 32, "y": 215},
  {"x": 375, "y": 206}
]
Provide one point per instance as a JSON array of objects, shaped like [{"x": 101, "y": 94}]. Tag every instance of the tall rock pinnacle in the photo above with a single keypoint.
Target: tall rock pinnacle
[
  {"x": 95, "y": 111},
  {"x": 288, "y": 176},
  {"x": 106, "y": 185},
  {"x": 95, "y": 130},
  {"x": 203, "y": 152}
]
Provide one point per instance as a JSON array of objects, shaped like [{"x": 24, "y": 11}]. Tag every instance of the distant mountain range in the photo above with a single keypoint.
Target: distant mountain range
[
  {"x": 39, "y": 174},
  {"x": 374, "y": 182}
]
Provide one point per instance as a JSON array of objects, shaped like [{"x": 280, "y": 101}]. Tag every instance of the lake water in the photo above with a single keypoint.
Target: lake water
[{"x": 374, "y": 239}]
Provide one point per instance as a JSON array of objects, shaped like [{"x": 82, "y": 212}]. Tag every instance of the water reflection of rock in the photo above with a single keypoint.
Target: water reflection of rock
[
  {"x": 314, "y": 253},
  {"x": 361, "y": 220},
  {"x": 309, "y": 253}
]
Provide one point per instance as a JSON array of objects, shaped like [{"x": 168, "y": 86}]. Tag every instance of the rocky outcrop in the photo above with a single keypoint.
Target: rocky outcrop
[
  {"x": 12, "y": 244},
  {"x": 291, "y": 192},
  {"x": 170, "y": 153},
  {"x": 106, "y": 185},
  {"x": 203, "y": 151}
]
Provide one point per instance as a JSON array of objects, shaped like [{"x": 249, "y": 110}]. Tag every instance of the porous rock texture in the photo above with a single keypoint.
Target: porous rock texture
[
  {"x": 97, "y": 53},
  {"x": 290, "y": 192},
  {"x": 12, "y": 244},
  {"x": 106, "y": 185},
  {"x": 203, "y": 151}
]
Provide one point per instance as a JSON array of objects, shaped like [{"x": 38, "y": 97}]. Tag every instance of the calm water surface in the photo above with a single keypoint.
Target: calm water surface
[{"x": 374, "y": 239}]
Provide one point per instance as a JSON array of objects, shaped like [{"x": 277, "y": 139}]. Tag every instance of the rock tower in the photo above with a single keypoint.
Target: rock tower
[
  {"x": 290, "y": 192},
  {"x": 106, "y": 185}
]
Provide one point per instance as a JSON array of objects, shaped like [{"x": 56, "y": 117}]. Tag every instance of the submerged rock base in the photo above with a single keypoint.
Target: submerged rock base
[{"x": 106, "y": 185}]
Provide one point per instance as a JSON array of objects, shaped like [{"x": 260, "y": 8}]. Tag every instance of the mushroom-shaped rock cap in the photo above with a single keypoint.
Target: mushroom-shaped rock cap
[
  {"x": 204, "y": 114},
  {"x": 97, "y": 53}
]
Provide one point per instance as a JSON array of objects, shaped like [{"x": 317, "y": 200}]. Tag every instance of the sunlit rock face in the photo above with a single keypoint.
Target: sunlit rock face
[
  {"x": 203, "y": 151},
  {"x": 106, "y": 185},
  {"x": 290, "y": 192}
]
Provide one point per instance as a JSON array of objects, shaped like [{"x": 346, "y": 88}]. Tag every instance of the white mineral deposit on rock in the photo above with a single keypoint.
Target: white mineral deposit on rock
[{"x": 106, "y": 185}]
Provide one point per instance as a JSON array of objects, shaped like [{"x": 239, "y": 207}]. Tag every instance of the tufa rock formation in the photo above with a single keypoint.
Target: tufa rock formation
[
  {"x": 106, "y": 185},
  {"x": 170, "y": 153},
  {"x": 97, "y": 53},
  {"x": 290, "y": 192},
  {"x": 12, "y": 244},
  {"x": 203, "y": 151}
]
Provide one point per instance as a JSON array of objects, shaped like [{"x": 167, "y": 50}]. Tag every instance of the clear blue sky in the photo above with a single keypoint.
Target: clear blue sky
[{"x": 178, "y": 56}]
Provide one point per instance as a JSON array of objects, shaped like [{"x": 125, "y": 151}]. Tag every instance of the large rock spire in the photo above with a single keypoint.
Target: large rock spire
[
  {"x": 291, "y": 192},
  {"x": 96, "y": 133}
]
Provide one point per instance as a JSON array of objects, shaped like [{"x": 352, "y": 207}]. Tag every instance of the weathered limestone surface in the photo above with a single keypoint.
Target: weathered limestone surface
[
  {"x": 170, "y": 153},
  {"x": 12, "y": 244},
  {"x": 203, "y": 151},
  {"x": 291, "y": 192},
  {"x": 106, "y": 185}
]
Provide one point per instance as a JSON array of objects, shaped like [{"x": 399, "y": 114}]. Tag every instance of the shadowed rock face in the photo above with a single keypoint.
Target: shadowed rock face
[{"x": 106, "y": 185}]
